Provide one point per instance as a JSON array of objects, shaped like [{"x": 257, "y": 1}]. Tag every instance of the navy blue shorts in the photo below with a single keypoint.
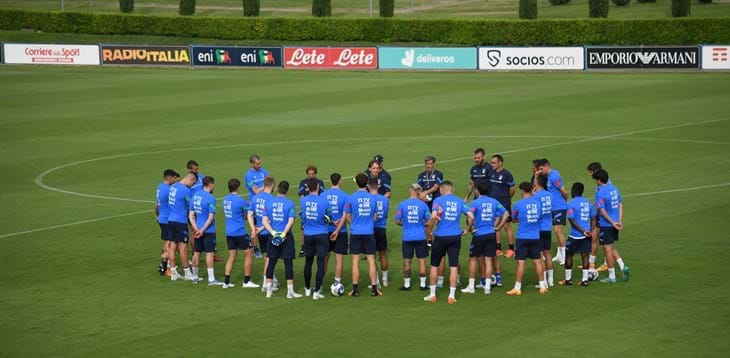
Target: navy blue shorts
[
  {"x": 285, "y": 250},
  {"x": 607, "y": 235},
  {"x": 445, "y": 245},
  {"x": 238, "y": 242},
  {"x": 546, "y": 240},
  {"x": 316, "y": 245},
  {"x": 574, "y": 246},
  {"x": 525, "y": 249},
  {"x": 362, "y": 244},
  {"x": 507, "y": 203},
  {"x": 418, "y": 247},
  {"x": 483, "y": 245},
  {"x": 165, "y": 232},
  {"x": 381, "y": 239},
  {"x": 559, "y": 217},
  {"x": 264, "y": 243},
  {"x": 339, "y": 246},
  {"x": 178, "y": 232},
  {"x": 205, "y": 243}
]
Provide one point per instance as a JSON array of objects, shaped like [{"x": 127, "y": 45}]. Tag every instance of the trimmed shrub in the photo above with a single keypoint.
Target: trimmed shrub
[
  {"x": 646, "y": 1},
  {"x": 598, "y": 8},
  {"x": 387, "y": 7},
  {"x": 528, "y": 9},
  {"x": 558, "y": 2},
  {"x": 574, "y": 32},
  {"x": 321, "y": 8},
  {"x": 126, "y": 6},
  {"x": 253, "y": 7},
  {"x": 187, "y": 7},
  {"x": 621, "y": 2},
  {"x": 704, "y": 1},
  {"x": 680, "y": 8}
]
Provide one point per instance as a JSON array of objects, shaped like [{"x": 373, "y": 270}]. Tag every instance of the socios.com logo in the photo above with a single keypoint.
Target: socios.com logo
[{"x": 493, "y": 57}]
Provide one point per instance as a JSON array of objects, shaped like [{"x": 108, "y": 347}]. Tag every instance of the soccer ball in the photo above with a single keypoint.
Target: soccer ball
[
  {"x": 337, "y": 289},
  {"x": 592, "y": 276}
]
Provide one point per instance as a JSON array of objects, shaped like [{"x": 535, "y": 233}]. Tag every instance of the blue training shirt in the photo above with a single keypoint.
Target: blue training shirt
[
  {"x": 279, "y": 210},
  {"x": 414, "y": 214},
  {"x": 162, "y": 197},
  {"x": 527, "y": 212},
  {"x": 314, "y": 207},
  {"x": 179, "y": 202},
  {"x": 361, "y": 206},
  {"x": 336, "y": 199},
  {"x": 382, "y": 205},
  {"x": 485, "y": 210},
  {"x": 608, "y": 198},
  {"x": 581, "y": 211},
  {"x": 453, "y": 208},
  {"x": 258, "y": 202},
  {"x": 546, "y": 209},
  {"x": 235, "y": 208},
  {"x": 254, "y": 178},
  {"x": 203, "y": 204},
  {"x": 555, "y": 183}
]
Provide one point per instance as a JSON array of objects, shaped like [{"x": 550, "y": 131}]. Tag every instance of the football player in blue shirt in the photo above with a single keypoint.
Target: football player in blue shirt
[
  {"x": 202, "y": 220},
  {"x": 502, "y": 188},
  {"x": 545, "y": 199},
  {"x": 179, "y": 200},
  {"x": 610, "y": 209},
  {"x": 236, "y": 208},
  {"x": 526, "y": 213},
  {"x": 375, "y": 170},
  {"x": 315, "y": 209},
  {"x": 592, "y": 168},
  {"x": 559, "y": 203},
  {"x": 311, "y": 172},
  {"x": 278, "y": 219},
  {"x": 382, "y": 205},
  {"x": 580, "y": 215},
  {"x": 360, "y": 213},
  {"x": 162, "y": 212},
  {"x": 489, "y": 216},
  {"x": 255, "y": 176},
  {"x": 260, "y": 235},
  {"x": 412, "y": 215},
  {"x": 430, "y": 180},
  {"x": 447, "y": 211},
  {"x": 336, "y": 198}
]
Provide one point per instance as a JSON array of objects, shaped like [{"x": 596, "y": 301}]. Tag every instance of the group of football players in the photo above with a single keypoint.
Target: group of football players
[{"x": 355, "y": 224}]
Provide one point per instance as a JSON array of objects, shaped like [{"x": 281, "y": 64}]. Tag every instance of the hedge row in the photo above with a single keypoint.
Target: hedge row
[{"x": 668, "y": 31}]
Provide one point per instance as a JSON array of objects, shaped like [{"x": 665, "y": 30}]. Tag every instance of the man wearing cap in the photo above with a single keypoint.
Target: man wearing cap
[
  {"x": 430, "y": 180},
  {"x": 375, "y": 170}
]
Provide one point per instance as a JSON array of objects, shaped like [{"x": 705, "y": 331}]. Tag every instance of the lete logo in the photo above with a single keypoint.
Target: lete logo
[
  {"x": 493, "y": 57},
  {"x": 331, "y": 57}
]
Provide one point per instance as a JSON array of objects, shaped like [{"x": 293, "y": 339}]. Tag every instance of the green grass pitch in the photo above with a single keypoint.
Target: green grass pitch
[{"x": 79, "y": 275}]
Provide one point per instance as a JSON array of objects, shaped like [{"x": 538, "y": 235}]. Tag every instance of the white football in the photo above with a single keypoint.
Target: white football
[{"x": 337, "y": 289}]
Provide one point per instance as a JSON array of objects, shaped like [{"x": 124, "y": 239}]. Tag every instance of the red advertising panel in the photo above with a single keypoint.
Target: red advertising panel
[{"x": 331, "y": 57}]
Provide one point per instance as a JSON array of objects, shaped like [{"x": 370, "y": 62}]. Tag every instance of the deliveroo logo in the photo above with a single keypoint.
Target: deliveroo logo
[{"x": 410, "y": 57}]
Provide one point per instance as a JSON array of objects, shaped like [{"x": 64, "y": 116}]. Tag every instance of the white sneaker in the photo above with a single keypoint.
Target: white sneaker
[
  {"x": 537, "y": 286},
  {"x": 307, "y": 292},
  {"x": 467, "y": 290},
  {"x": 190, "y": 278},
  {"x": 293, "y": 294},
  {"x": 487, "y": 291},
  {"x": 215, "y": 283},
  {"x": 479, "y": 285},
  {"x": 317, "y": 296},
  {"x": 249, "y": 284},
  {"x": 439, "y": 285},
  {"x": 176, "y": 276},
  {"x": 430, "y": 298},
  {"x": 551, "y": 284},
  {"x": 556, "y": 258},
  {"x": 228, "y": 285},
  {"x": 385, "y": 283},
  {"x": 269, "y": 293}
]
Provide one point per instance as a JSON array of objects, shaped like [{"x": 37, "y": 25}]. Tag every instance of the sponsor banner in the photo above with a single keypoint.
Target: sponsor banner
[
  {"x": 428, "y": 58},
  {"x": 531, "y": 58},
  {"x": 331, "y": 57},
  {"x": 638, "y": 57},
  {"x": 46, "y": 54},
  {"x": 145, "y": 55},
  {"x": 236, "y": 56},
  {"x": 716, "y": 57}
]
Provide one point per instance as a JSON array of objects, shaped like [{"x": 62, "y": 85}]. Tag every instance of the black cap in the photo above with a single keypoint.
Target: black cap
[{"x": 378, "y": 158}]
